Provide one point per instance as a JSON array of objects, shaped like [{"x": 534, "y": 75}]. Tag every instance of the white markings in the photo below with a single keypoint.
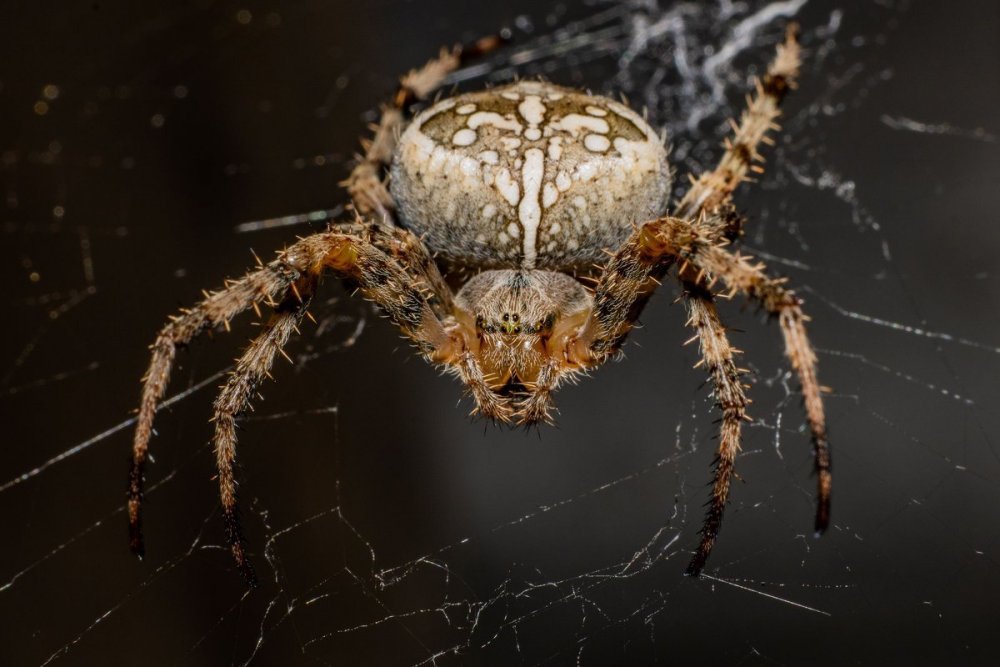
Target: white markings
[
  {"x": 529, "y": 212},
  {"x": 555, "y": 148},
  {"x": 575, "y": 123},
  {"x": 510, "y": 144},
  {"x": 532, "y": 110},
  {"x": 515, "y": 166},
  {"x": 596, "y": 143},
  {"x": 639, "y": 156},
  {"x": 550, "y": 194},
  {"x": 563, "y": 181},
  {"x": 586, "y": 171},
  {"x": 496, "y": 120},
  {"x": 444, "y": 105},
  {"x": 464, "y": 137},
  {"x": 469, "y": 166},
  {"x": 507, "y": 187}
]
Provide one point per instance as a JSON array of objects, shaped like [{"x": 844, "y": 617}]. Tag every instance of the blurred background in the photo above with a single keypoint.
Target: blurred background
[{"x": 146, "y": 149}]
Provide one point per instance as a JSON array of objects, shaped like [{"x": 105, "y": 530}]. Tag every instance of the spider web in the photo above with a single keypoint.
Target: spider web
[{"x": 144, "y": 153}]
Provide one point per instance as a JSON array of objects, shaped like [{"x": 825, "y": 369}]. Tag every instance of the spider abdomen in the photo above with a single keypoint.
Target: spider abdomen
[{"x": 528, "y": 175}]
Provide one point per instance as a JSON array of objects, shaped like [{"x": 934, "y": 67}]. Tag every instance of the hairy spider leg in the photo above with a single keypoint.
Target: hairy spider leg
[
  {"x": 713, "y": 190},
  {"x": 214, "y": 310},
  {"x": 704, "y": 260},
  {"x": 250, "y": 370},
  {"x": 707, "y": 256},
  {"x": 365, "y": 184},
  {"x": 352, "y": 257},
  {"x": 710, "y": 199},
  {"x": 718, "y": 358},
  {"x": 406, "y": 248}
]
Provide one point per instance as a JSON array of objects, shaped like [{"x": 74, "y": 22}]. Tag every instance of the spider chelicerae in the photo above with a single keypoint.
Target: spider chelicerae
[{"x": 556, "y": 202}]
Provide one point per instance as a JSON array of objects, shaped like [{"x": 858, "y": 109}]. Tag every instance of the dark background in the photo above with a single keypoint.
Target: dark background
[{"x": 389, "y": 528}]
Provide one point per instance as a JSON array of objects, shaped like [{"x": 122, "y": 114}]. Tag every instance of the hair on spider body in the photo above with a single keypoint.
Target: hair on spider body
[{"x": 517, "y": 195}]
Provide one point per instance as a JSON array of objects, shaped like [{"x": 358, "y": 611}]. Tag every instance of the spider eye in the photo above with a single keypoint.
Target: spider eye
[{"x": 506, "y": 317}]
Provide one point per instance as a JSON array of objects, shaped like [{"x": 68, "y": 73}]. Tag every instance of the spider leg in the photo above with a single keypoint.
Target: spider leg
[
  {"x": 714, "y": 189},
  {"x": 403, "y": 246},
  {"x": 718, "y": 356},
  {"x": 251, "y": 368},
  {"x": 382, "y": 280},
  {"x": 215, "y": 310},
  {"x": 365, "y": 184},
  {"x": 352, "y": 257},
  {"x": 629, "y": 279},
  {"x": 739, "y": 274},
  {"x": 414, "y": 257}
]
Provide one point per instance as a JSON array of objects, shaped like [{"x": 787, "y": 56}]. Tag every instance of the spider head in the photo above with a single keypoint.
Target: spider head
[{"x": 519, "y": 320}]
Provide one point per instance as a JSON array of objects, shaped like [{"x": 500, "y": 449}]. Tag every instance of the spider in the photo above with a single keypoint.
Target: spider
[{"x": 516, "y": 194}]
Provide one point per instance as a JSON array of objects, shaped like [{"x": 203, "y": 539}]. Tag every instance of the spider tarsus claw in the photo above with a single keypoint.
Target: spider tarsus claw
[
  {"x": 136, "y": 544},
  {"x": 249, "y": 574},
  {"x": 822, "y": 519},
  {"x": 694, "y": 567}
]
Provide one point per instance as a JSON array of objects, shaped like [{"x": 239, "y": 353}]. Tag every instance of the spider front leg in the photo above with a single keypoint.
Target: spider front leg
[
  {"x": 717, "y": 355},
  {"x": 710, "y": 260},
  {"x": 353, "y": 257},
  {"x": 382, "y": 280},
  {"x": 629, "y": 279},
  {"x": 626, "y": 284}
]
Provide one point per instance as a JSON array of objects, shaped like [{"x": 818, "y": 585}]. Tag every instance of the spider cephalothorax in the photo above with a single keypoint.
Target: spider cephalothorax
[
  {"x": 531, "y": 189},
  {"x": 521, "y": 324}
]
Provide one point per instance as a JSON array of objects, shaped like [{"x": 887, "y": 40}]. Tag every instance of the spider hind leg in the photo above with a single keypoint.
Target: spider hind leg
[
  {"x": 251, "y": 369},
  {"x": 214, "y": 311},
  {"x": 350, "y": 256}
]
